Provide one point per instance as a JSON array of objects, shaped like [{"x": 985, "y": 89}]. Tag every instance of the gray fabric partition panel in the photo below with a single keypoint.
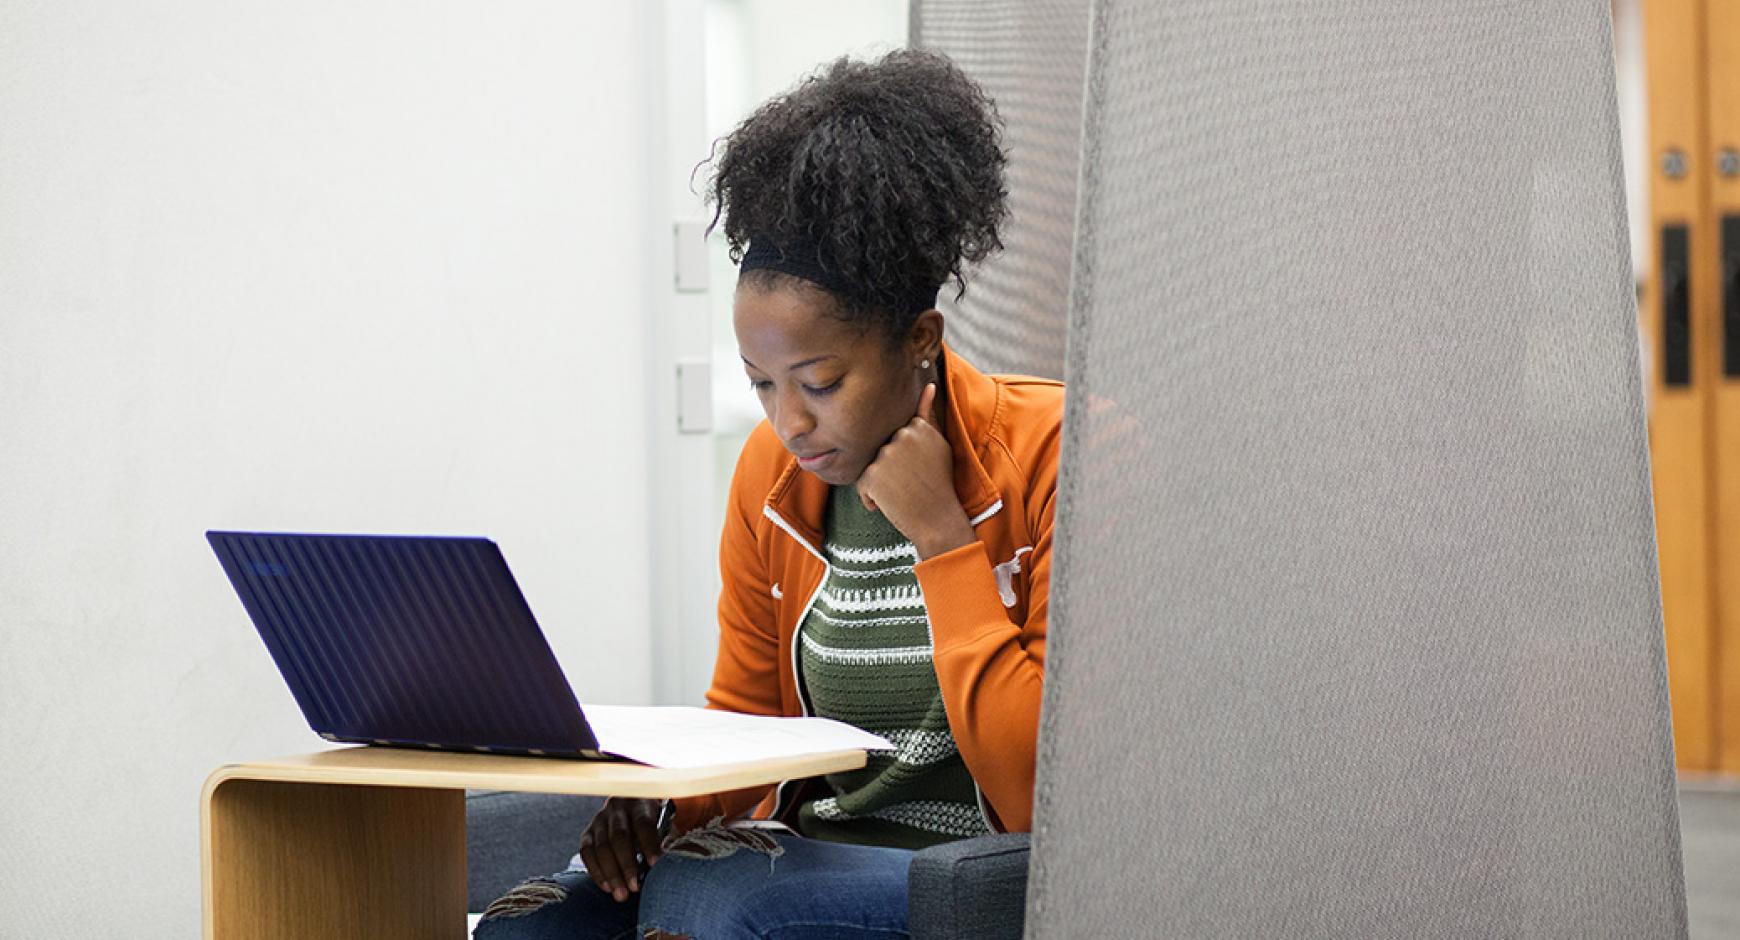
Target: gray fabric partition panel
[
  {"x": 1031, "y": 58},
  {"x": 1356, "y": 627}
]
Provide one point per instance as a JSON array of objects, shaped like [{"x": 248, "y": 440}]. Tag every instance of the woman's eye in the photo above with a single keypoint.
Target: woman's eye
[{"x": 763, "y": 385}]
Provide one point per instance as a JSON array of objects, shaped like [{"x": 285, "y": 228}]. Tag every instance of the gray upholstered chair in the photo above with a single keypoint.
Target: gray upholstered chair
[
  {"x": 510, "y": 837},
  {"x": 1355, "y": 615},
  {"x": 1356, "y": 627}
]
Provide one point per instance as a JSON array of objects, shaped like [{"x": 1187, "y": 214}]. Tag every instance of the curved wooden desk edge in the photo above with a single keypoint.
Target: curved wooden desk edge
[
  {"x": 404, "y": 767},
  {"x": 291, "y": 831}
]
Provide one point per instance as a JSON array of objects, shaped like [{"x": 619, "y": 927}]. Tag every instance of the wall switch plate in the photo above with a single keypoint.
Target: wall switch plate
[
  {"x": 691, "y": 256},
  {"x": 694, "y": 396}
]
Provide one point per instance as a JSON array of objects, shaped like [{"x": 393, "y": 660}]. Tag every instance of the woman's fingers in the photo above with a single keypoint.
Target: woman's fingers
[
  {"x": 646, "y": 830},
  {"x": 598, "y": 850},
  {"x": 600, "y": 862},
  {"x": 927, "y": 404},
  {"x": 621, "y": 849},
  {"x": 588, "y": 858},
  {"x": 620, "y": 830}
]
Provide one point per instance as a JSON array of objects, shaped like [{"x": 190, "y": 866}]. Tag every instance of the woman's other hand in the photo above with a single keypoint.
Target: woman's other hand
[
  {"x": 912, "y": 482},
  {"x": 622, "y": 828}
]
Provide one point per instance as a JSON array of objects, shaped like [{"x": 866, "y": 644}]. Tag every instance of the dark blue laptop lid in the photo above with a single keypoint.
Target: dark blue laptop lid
[{"x": 405, "y": 640}]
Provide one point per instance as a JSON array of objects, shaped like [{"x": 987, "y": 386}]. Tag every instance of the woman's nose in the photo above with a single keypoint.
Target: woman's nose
[{"x": 791, "y": 419}]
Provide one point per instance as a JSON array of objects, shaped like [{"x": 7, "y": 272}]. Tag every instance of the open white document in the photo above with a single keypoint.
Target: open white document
[{"x": 676, "y": 736}]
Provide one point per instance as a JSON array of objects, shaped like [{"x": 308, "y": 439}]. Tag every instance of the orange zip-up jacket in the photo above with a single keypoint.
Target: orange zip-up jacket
[{"x": 986, "y": 601}]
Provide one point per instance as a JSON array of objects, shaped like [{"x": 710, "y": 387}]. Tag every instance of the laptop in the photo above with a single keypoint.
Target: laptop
[{"x": 406, "y": 641}]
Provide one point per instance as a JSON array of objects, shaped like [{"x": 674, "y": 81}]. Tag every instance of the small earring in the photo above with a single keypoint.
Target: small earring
[{"x": 924, "y": 364}]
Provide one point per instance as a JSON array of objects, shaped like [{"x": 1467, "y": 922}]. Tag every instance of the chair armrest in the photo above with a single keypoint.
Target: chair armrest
[
  {"x": 510, "y": 837},
  {"x": 974, "y": 888}
]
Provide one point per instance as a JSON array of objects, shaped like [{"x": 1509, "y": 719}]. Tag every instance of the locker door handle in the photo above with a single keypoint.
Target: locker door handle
[
  {"x": 1731, "y": 296},
  {"x": 1676, "y": 302}
]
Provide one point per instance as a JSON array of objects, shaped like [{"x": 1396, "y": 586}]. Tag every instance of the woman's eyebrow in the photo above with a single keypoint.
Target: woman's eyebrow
[{"x": 791, "y": 368}]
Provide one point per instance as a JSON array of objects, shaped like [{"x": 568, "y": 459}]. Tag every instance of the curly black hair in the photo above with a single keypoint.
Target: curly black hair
[{"x": 892, "y": 168}]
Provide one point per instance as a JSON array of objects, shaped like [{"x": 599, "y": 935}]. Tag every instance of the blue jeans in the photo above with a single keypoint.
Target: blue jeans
[{"x": 809, "y": 889}]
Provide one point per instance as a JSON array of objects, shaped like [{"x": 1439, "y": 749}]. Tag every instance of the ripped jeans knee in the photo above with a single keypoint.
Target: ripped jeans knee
[
  {"x": 717, "y": 840},
  {"x": 528, "y": 896}
]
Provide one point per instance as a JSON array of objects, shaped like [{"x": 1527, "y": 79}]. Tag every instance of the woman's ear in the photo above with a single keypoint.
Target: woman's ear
[{"x": 924, "y": 340}]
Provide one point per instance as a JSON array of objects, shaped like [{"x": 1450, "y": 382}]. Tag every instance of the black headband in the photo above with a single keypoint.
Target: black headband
[{"x": 802, "y": 258}]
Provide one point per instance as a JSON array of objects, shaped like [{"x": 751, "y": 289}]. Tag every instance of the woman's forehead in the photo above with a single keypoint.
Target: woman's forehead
[{"x": 781, "y": 328}]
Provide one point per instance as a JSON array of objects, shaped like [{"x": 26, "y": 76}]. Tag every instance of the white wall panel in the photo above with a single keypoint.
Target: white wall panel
[{"x": 322, "y": 266}]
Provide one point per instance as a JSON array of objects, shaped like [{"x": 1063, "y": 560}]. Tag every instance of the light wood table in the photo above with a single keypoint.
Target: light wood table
[{"x": 369, "y": 842}]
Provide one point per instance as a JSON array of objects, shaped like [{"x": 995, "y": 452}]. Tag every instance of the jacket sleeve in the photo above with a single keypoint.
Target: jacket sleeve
[
  {"x": 992, "y": 669},
  {"x": 746, "y": 672}
]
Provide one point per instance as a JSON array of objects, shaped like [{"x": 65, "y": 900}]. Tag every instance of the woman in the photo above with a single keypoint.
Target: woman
[{"x": 888, "y": 538}]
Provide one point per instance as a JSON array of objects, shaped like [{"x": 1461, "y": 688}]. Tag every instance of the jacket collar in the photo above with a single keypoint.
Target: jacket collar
[{"x": 801, "y": 499}]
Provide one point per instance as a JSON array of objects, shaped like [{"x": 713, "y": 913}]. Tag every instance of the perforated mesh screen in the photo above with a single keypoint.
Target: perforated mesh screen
[
  {"x": 1356, "y": 626},
  {"x": 1031, "y": 58}
]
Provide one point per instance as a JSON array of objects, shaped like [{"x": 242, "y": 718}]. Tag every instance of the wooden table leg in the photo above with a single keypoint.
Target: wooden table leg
[{"x": 299, "y": 860}]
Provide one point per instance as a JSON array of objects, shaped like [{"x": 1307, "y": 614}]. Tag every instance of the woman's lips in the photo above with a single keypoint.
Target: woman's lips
[{"x": 818, "y": 461}]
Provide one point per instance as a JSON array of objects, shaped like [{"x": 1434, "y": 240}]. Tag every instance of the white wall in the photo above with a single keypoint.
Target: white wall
[
  {"x": 685, "y": 531},
  {"x": 318, "y": 266}
]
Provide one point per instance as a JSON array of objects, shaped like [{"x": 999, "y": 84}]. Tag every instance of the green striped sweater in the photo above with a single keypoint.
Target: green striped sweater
[{"x": 865, "y": 659}]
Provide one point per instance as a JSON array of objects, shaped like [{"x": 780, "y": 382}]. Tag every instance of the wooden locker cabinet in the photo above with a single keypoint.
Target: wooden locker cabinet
[
  {"x": 1722, "y": 175},
  {"x": 1679, "y": 308}
]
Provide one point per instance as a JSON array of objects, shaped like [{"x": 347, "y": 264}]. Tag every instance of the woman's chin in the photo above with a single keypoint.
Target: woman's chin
[{"x": 834, "y": 479}]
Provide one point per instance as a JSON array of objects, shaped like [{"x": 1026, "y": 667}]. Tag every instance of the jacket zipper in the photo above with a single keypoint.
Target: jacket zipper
[{"x": 797, "y": 681}]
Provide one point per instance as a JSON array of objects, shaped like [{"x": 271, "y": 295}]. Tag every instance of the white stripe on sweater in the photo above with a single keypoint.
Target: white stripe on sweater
[
  {"x": 869, "y": 572},
  {"x": 871, "y": 657},
  {"x": 821, "y": 614},
  {"x": 904, "y": 597},
  {"x": 871, "y": 556},
  {"x": 918, "y": 747},
  {"x": 955, "y": 819}
]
